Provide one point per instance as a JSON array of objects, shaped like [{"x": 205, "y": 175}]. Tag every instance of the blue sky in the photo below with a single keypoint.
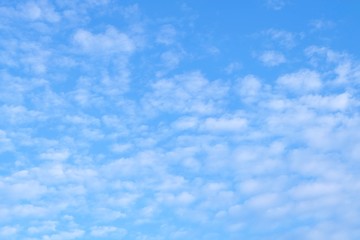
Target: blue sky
[{"x": 179, "y": 120}]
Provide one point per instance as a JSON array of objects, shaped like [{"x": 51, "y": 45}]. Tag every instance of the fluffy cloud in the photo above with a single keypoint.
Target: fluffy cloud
[
  {"x": 75, "y": 234},
  {"x": 116, "y": 124},
  {"x": 338, "y": 102},
  {"x": 272, "y": 58},
  {"x": 231, "y": 124},
  {"x": 103, "y": 231},
  {"x": 186, "y": 93},
  {"x": 250, "y": 88},
  {"x": 108, "y": 43},
  {"x": 7, "y": 231},
  {"x": 303, "y": 80},
  {"x": 40, "y": 11},
  {"x": 55, "y": 155}
]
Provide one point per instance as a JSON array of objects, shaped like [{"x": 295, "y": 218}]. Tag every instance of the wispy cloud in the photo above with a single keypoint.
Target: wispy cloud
[{"x": 110, "y": 42}]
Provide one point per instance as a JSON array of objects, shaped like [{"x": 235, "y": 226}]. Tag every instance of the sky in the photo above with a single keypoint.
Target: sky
[{"x": 184, "y": 119}]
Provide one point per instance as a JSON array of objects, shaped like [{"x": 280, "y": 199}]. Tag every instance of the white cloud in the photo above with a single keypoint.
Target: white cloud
[
  {"x": 35, "y": 57},
  {"x": 55, "y": 155},
  {"x": 341, "y": 64},
  {"x": 338, "y": 102},
  {"x": 263, "y": 201},
  {"x": 250, "y": 87},
  {"x": 110, "y": 42},
  {"x": 40, "y": 11},
  {"x": 315, "y": 190},
  {"x": 316, "y": 51},
  {"x": 146, "y": 163},
  {"x": 20, "y": 114},
  {"x": 186, "y": 123},
  {"x": 108, "y": 214},
  {"x": 172, "y": 183},
  {"x": 120, "y": 148},
  {"x": 8, "y": 231},
  {"x": 47, "y": 226},
  {"x": 185, "y": 93},
  {"x": 149, "y": 141},
  {"x": 74, "y": 234},
  {"x": 185, "y": 198},
  {"x": 250, "y": 186},
  {"x": 227, "y": 124},
  {"x": 180, "y": 199},
  {"x": 259, "y": 160},
  {"x": 103, "y": 231},
  {"x": 28, "y": 210},
  {"x": 82, "y": 120},
  {"x": 272, "y": 58},
  {"x": 92, "y": 134},
  {"x": 16, "y": 191},
  {"x": 303, "y": 80},
  {"x": 124, "y": 200}
]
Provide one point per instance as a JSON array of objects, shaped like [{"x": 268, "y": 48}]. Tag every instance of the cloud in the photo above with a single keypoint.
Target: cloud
[
  {"x": 112, "y": 123},
  {"x": 120, "y": 148},
  {"x": 111, "y": 42},
  {"x": 251, "y": 89},
  {"x": 322, "y": 24},
  {"x": 41, "y": 10},
  {"x": 272, "y": 58},
  {"x": 276, "y": 4},
  {"x": 74, "y": 234},
  {"x": 103, "y": 231},
  {"x": 315, "y": 190},
  {"x": 303, "y": 80},
  {"x": 263, "y": 201},
  {"x": 170, "y": 59},
  {"x": 225, "y": 124},
  {"x": 33, "y": 11},
  {"x": 181, "y": 199},
  {"x": 338, "y": 102},
  {"x": 28, "y": 211},
  {"x": 282, "y": 38},
  {"x": 186, "y": 123},
  {"x": 18, "y": 114},
  {"x": 55, "y": 155},
  {"x": 5, "y": 142},
  {"x": 233, "y": 67},
  {"x": 7, "y": 231},
  {"x": 15, "y": 192},
  {"x": 42, "y": 227},
  {"x": 185, "y": 93},
  {"x": 339, "y": 63}
]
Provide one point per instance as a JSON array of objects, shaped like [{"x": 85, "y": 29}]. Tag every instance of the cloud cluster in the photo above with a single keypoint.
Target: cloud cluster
[{"x": 108, "y": 132}]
